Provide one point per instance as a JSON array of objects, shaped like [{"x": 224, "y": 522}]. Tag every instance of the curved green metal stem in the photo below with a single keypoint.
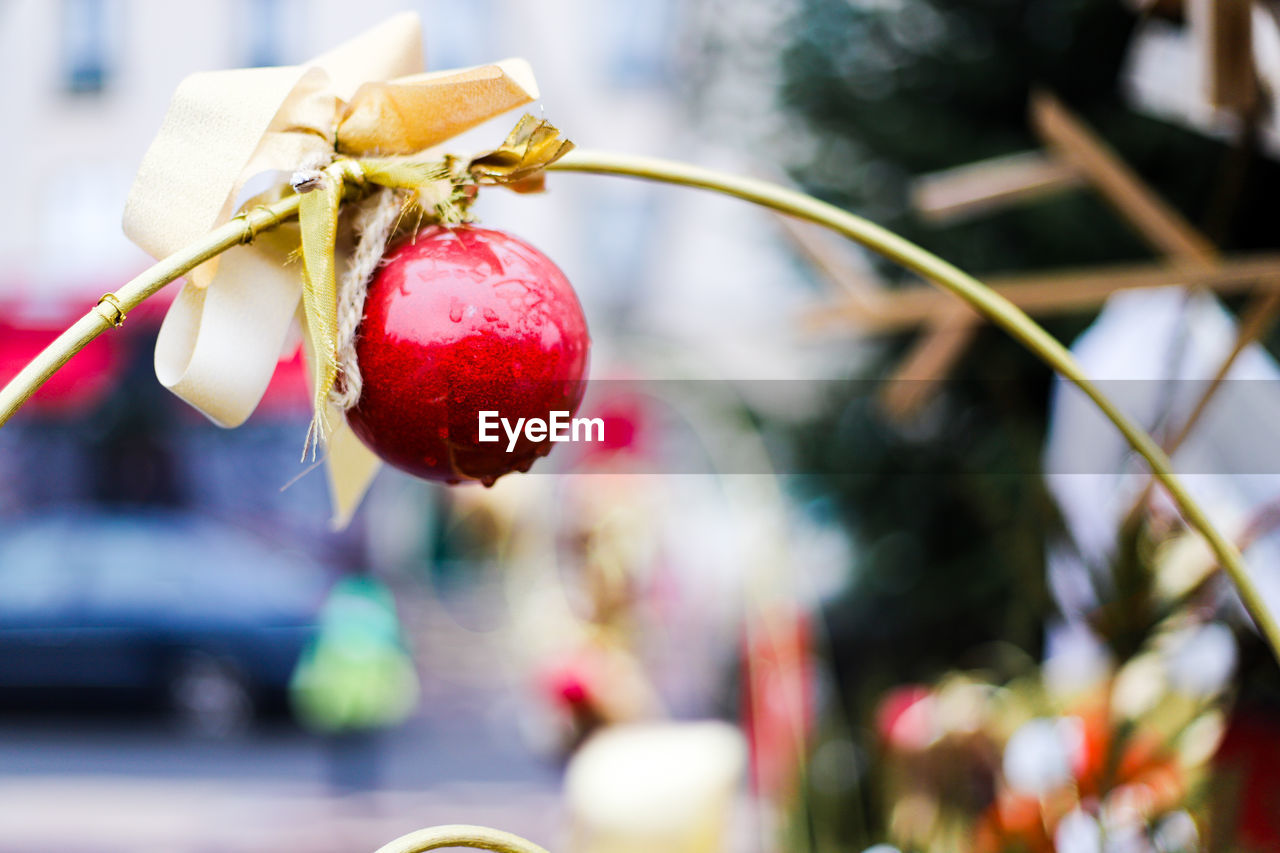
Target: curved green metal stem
[
  {"x": 460, "y": 835},
  {"x": 987, "y": 302}
]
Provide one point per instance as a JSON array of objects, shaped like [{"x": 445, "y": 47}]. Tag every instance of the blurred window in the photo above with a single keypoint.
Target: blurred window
[
  {"x": 85, "y": 45},
  {"x": 253, "y": 578},
  {"x": 136, "y": 573},
  {"x": 638, "y": 43},
  {"x": 82, "y": 197},
  {"x": 459, "y": 34},
  {"x": 135, "y": 566},
  {"x": 264, "y": 33},
  {"x": 194, "y": 569},
  {"x": 626, "y": 218},
  {"x": 37, "y": 575}
]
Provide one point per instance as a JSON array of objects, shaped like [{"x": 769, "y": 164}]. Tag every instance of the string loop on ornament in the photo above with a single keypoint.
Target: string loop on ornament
[
  {"x": 269, "y": 219},
  {"x": 352, "y": 171},
  {"x": 109, "y": 308}
]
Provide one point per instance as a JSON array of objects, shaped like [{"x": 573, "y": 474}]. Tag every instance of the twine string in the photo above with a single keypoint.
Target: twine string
[{"x": 375, "y": 222}]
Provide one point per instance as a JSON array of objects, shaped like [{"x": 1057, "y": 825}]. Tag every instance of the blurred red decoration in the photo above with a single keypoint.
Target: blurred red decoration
[
  {"x": 778, "y": 702},
  {"x": 83, "y": 382},
  {"x": 1248, "y": 767}
]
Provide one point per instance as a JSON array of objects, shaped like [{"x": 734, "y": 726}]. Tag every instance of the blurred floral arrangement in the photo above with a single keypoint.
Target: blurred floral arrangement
[
  {"x": 979, "y": 766},
  {"x": 1088, "y": 750}
]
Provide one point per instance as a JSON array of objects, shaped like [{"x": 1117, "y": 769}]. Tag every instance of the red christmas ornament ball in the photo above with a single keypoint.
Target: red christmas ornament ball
[{"x": 459, "y": 321}]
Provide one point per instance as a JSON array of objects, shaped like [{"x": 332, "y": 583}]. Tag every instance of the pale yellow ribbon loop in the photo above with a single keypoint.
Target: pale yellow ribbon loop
[{"x": 222, "y": 337}]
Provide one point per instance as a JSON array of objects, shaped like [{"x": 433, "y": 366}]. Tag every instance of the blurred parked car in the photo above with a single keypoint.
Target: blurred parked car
[{"x": 164, "y": 608}]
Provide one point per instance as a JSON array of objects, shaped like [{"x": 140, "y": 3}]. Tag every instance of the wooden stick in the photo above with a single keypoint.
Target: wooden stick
[
  {"x": 988, "y": 185},
  {"x": 835, "y": 266},
  {"x": 1154, "y": 218},
  {"x": 1048, "y": 294},
  {"x": 1079, "y": 155},
  {"x": 918, "y": 375},
  {"x": 953, "y": 196},
  {"x": 1223, "y": 34},
  {"x": 1254, "y": 321}
]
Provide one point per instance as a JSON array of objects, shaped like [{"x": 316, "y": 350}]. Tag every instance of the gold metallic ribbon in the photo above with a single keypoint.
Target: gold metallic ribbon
[{"x": 231, "y": 139}]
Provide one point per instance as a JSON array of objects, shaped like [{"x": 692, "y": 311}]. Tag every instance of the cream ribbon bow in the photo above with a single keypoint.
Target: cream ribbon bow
[{"x": 230, "y": 323}]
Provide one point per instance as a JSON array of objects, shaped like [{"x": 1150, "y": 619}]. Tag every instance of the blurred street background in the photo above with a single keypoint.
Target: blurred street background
[{"x": 160, "y": 753}]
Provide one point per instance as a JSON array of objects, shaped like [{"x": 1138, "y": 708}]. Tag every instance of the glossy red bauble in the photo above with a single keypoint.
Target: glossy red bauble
[{"x": 460, "y": 321}]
